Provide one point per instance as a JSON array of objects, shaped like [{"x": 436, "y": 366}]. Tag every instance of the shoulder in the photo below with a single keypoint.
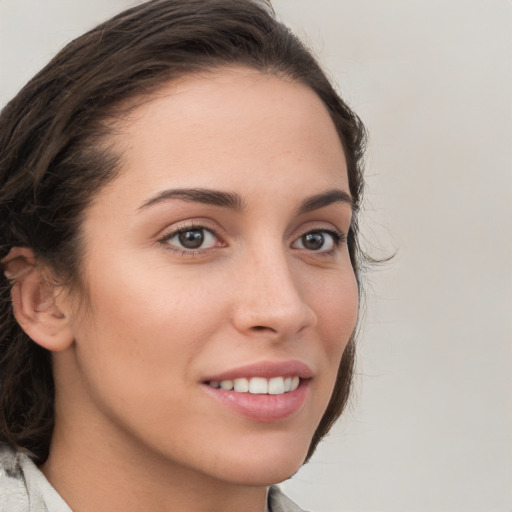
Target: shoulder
[
  {"x": 23, "y": 488},
  {"x": 279, "y": 502},
  {"x": 13, "y": 493}
]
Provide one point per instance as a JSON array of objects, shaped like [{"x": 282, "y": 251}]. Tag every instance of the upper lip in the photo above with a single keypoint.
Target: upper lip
[{"x": 266, "y": 369}]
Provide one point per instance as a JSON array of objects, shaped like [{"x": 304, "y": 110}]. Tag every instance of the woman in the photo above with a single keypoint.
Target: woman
[{"x": 179, "y": 191}]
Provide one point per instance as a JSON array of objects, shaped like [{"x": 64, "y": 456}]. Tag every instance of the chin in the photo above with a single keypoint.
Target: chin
[{"x": 265, "y": 467}]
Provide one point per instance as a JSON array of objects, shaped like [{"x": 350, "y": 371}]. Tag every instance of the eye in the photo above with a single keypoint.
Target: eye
[
  {"x": 320, "y": 241},
  {"x": 192, "y": 238}
]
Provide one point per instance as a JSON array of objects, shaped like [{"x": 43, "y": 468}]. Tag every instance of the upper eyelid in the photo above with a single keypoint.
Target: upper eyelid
[
  {"x": 326, "y": 226},
  {"x": 335, "y": 233},
  {"x": 222, "y": 235},
  {"x": 165, "y": 237},
  {"x": 178, "y": 227}
]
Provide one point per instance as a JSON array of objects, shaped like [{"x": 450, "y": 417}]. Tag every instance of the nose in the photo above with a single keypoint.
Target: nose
[{"x": 269, "y": 299}]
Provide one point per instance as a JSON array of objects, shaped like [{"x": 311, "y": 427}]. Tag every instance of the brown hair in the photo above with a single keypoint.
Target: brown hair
[{"x": 53, "y": 159}]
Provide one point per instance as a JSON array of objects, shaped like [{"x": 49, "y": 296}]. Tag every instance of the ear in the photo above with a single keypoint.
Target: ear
[{"x": 35, "y": 302}]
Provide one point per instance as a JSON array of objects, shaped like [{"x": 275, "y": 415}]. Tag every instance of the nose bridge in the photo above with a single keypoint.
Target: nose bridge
[{"x": 271, "y": 298}]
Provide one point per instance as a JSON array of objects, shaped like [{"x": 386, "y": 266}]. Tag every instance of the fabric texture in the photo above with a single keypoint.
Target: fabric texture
[
  {"x": 23, "y": 488},
  {"x": 279, "y": 502}
]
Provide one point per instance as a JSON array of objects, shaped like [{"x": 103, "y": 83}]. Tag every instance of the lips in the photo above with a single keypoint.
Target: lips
[
  {"x": 263, "y": 391},
  {"x": 266, "y": 370}
]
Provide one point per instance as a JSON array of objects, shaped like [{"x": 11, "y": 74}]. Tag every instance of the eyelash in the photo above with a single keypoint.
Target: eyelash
[
  {"x": 338, "y": 239},
  {"x": 164, "y": 240}
]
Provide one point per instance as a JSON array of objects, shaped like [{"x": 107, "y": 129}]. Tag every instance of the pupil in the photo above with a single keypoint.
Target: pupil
[
  {"x": 313, "y": 241},
  {"x": 192, "y": 239}
]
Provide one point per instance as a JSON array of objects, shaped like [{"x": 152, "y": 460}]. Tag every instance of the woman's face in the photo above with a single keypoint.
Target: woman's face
[{"x": 217, "y": 259}]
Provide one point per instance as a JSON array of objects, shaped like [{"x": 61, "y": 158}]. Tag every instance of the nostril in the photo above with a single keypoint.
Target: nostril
[{"x": 262, "y": 328}]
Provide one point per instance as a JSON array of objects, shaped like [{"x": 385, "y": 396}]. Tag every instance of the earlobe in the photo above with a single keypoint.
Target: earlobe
[{"x": 34, "y": 301}]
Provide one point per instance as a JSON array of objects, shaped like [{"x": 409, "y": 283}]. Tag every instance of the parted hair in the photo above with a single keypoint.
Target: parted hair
[{"x": 54, "y": 159}]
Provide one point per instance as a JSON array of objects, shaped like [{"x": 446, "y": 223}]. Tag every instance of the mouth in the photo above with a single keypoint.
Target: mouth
[
  {"x": 263, "y": 392},
  {"x": 258, "y": 385}
]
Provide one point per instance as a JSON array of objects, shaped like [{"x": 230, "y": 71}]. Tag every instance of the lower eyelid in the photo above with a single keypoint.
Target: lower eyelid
[
  {"x": 337, "y": 236},
  {"x": 338, "y": 239},
  {"x": 174, "y": 232}
]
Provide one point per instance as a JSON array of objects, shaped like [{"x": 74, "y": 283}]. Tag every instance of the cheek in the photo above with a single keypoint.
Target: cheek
[
  {"x": 335, "y": 302},
  {"x": 144, "y": 325},
  {"x": 336, "y": 305}
]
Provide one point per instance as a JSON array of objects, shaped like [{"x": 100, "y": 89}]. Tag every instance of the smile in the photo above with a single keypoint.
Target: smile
[{"x": 258, "y": 385}]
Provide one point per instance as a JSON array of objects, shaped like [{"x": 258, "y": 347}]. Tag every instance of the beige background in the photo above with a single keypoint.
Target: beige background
[{"x": 430, "y": 427}]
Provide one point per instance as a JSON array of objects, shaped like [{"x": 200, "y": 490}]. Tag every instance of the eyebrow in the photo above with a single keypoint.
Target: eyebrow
[
  {"x": 199, "y": 195},
  {"x": 325, "y": 199},
  {"x": 235, "y": 202}
]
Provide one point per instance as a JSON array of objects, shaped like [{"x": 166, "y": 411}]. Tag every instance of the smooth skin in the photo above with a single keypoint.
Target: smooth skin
[{"x": 135, "y": 427}]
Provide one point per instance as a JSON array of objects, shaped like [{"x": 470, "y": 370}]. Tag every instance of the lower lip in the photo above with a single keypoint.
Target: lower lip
[{"x": 263, "y": 408}]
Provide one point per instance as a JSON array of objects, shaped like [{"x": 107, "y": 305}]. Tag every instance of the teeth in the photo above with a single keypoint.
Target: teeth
[
  {"x": 241, "y": 385},
  {"x": 276, "y": 386},
  {"x": 226, "y": 384},
  {"x": 259, "y": 385}
]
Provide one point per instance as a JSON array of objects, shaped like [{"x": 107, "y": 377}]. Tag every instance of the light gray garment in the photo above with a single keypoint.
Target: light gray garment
[{"x": 23, "y": 488}]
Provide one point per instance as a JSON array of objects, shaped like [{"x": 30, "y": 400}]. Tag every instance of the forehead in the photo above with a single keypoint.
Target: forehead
[{"x": 219, "y": 128}]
